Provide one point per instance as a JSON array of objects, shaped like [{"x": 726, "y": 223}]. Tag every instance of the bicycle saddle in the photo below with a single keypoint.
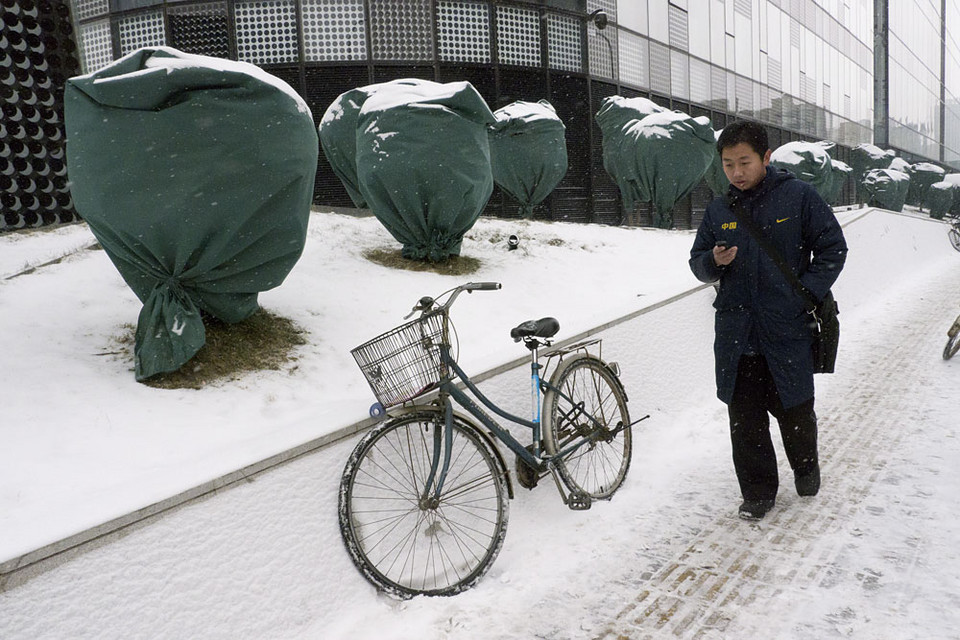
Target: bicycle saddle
[{"x": 542, "y": 328}]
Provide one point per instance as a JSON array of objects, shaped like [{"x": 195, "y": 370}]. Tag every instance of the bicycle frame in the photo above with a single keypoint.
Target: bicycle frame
[{"x": 450, "y": 392}]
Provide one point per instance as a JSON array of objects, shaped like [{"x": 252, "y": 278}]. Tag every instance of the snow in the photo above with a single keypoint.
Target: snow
[
  {"x": 901, "y": 165},
  {"x": 928, "y": 167},
  {"x": 664, "y": 124},
  {"x": 873, "y": 151},
  {"x": 873, "y": 556},
  {"x": 175, "y": 59},
  {"x": 797, "y": 153},
  {"x": 952, "y": 178}
]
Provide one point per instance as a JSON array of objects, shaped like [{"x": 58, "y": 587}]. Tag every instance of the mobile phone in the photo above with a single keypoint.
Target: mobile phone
[{"x": 723, "y": 244}]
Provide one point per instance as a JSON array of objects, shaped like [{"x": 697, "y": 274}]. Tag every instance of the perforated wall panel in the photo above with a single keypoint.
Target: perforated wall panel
[
  {"x": 200, "y": 29},
  {"x": 400, "y": 30},
  {"x": 634, "y": 60},
  {"x": 86, "y": 9},
  {"x": 680, "y": 75},
  {"x": 659, "y": 68},
  {"x": 142, "y": 30},
  {"x": 563, "y": 40},
  {"x": 518, "y": 36},
  {"x": 463, "y": 31},
  {"x": 603, "y": 51},
  {"x": 97, "y": 48},
  {"x": 679, "y": 31},
  {"x": 334, "y": 30},
  {"x": 266, "y": 31}
]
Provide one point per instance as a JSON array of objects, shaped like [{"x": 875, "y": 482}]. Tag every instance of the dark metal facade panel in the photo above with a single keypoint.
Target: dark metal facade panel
[{"x": 39, "y": 54}]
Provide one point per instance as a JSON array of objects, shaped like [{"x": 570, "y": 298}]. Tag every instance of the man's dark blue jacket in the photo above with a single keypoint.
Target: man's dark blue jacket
[{"x": 757, "y": 308}]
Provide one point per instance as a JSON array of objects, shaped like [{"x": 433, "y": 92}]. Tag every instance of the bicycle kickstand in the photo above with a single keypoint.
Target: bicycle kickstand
[{"x": 576, "y": 500}]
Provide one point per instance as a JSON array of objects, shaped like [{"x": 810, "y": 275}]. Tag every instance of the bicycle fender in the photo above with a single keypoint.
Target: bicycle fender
[
  {"x": 613, "y": 373},
  {"x": 397, "y": 412}
]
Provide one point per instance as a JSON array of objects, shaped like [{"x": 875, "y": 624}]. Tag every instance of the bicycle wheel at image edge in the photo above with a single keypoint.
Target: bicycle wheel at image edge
[
  {"x": 953, "y": 345},
  {"x": 598, "y": 468},
  {"x": 408, "y": 546},
  {"x": 954, "y": 235}
]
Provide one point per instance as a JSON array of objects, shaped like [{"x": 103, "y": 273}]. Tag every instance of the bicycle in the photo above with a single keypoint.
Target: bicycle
[
  {"x": 954, "y": 233},
  {"x": 424, "y": 498},
  {"x": 953, "y": 340}
]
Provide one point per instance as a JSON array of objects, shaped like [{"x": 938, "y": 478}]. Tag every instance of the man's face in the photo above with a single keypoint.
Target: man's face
[{"x": 743, "y": 166}]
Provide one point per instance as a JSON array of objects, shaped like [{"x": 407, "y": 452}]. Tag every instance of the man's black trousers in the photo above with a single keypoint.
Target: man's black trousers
[{"x": 755, "y": 398}]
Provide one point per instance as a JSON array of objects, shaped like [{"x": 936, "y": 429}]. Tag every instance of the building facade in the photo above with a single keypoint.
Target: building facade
[
  {"x": 918, "y": 80},
  {"x": 808, "y": 69},
  {"x": 38, "y": 52}
]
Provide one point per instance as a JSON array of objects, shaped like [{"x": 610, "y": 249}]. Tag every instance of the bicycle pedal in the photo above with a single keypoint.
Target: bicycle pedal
[{"x": 578, "y": 501}]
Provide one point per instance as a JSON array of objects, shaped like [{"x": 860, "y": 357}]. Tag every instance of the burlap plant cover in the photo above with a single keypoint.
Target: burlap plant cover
[
  {"x": 528, "y": 152},
  {"x": 423, "y": 163},
  {"x": 196, "y": 176}
]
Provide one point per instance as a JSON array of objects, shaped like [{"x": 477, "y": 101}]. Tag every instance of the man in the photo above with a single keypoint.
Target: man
[{"x": 764, "y": 363}]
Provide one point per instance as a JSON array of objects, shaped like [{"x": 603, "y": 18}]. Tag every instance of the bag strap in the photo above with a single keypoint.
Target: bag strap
[{"x": 739, "y": 211}]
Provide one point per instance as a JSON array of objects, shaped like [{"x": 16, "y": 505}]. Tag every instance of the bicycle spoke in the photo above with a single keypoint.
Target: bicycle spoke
[{"x": 409, "y": 542}]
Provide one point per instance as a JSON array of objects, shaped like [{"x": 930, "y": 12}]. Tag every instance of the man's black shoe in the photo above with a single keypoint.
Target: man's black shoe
[
  {"x": 755, "y": 509},
  {"x": 808, "y": 484}
]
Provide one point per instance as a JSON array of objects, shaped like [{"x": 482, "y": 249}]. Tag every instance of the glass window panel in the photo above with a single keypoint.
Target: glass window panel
[
  {"x": 718, "y": 35},
  {"x": 699, "y": 81}
]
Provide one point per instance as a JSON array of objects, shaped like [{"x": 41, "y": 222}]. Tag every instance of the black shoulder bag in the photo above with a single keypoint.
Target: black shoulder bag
[{"x": 824, "y": 321}]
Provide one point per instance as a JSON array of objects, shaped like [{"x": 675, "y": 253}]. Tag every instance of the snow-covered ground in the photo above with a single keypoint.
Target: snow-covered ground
[{"x": 873, "y": 556}]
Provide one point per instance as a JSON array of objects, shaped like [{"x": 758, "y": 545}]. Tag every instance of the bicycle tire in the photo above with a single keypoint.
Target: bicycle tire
[
  {"x": 954, "y": 235},
  {"x": 953, "y": 345},
  {"x": 599, "y": 468},
  {"x": 402, "y": 546}
]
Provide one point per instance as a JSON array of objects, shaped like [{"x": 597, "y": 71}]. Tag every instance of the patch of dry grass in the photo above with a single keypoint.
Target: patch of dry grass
[
  {"x": 262, "y": 341},
  {"x": 452, "y": 266}
]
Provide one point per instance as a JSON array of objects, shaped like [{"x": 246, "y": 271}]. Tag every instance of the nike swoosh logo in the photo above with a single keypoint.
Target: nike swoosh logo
[{"x": 779, "y": 220}]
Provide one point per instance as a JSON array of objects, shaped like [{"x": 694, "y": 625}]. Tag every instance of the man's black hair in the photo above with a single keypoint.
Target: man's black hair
[{"x": 753, "y": 133}]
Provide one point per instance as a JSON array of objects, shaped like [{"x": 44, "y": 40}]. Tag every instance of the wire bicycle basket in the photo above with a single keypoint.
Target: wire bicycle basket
[{"x": 405, "y": 362}]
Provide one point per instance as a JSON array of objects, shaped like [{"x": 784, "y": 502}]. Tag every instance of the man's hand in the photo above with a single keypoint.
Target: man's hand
[{"x": 723, "y": 256}]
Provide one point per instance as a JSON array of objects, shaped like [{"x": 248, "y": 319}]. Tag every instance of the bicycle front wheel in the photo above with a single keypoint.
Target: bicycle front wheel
[
  {"x": 399, "y": 536},
  {"x": 589, "y": 408}
]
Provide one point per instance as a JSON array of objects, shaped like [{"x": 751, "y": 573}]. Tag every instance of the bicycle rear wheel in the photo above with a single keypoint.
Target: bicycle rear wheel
[
  {"x": 590, "y": 405},
  {"x": 404, "y": 542}
]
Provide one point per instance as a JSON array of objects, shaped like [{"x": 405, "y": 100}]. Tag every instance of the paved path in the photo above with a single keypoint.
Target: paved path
[{"x": 821, "y": 558}]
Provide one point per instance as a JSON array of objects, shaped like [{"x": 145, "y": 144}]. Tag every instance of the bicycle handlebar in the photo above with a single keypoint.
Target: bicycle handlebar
[
  {"x": 426, "y": 305},
  {"x": 481, "y": 286}
]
